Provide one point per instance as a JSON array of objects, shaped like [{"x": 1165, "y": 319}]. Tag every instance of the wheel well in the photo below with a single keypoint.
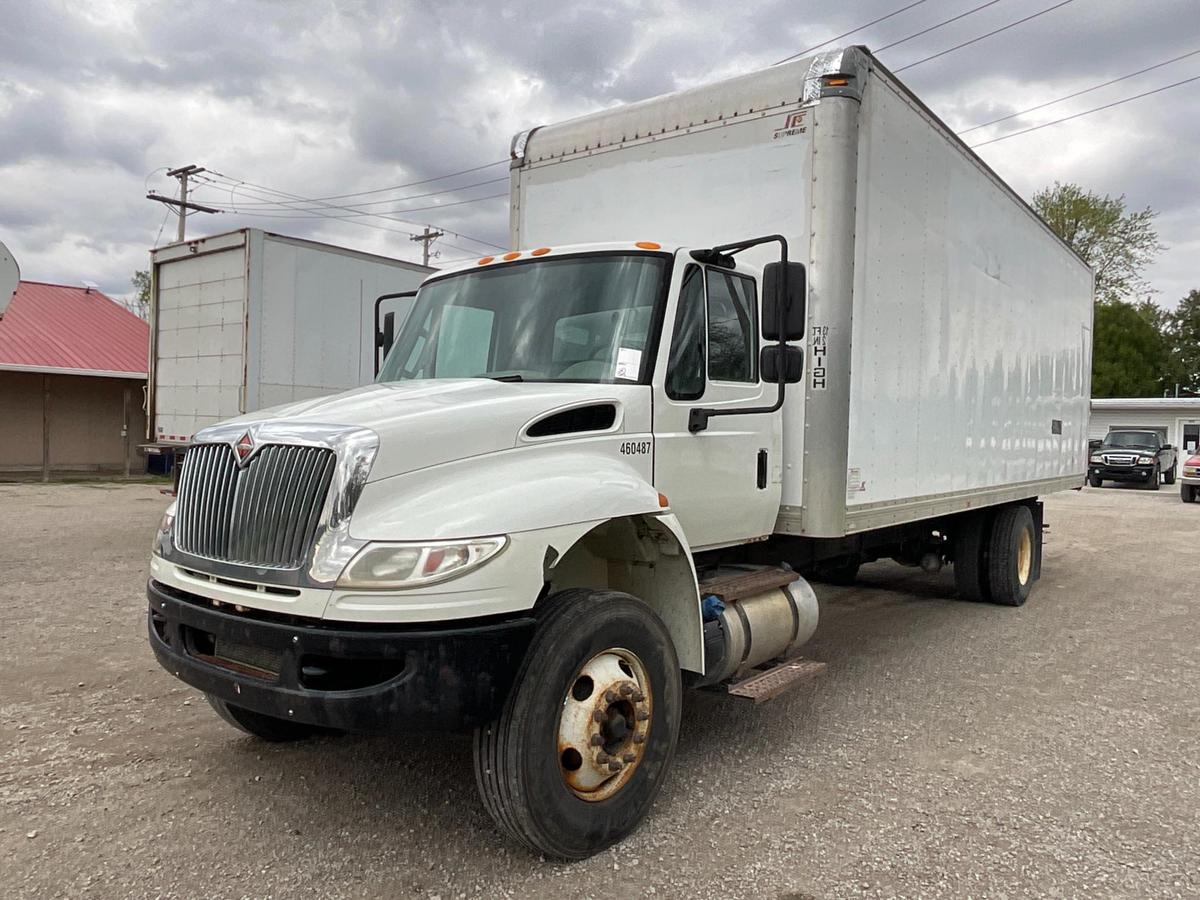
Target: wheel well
[{"x": 641, "y": 556}]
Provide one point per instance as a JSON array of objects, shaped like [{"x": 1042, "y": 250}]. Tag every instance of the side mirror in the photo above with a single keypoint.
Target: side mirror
[
  {"x": 795, "y": 304},
  {"x": 387, "y": 335},
  {"x": 1167, "y": 447},
  {"x": 781, "y": 365}
]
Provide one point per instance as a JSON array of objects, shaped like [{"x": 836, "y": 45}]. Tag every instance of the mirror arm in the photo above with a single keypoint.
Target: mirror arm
[
  {"x": 378, "y": 333},
  {"x": 698, "y": 417}
]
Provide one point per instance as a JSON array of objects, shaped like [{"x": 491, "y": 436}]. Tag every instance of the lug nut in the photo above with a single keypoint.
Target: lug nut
[
  {"x": 614, "y": 766},
  {"x": 626, "y": 690},
  {"x": 597, "y": 740},
  {"x": 639, "y": 738},
  {"x": 598, "y": 716},
  {"x": 643, "y": 715},
  {"x": 629, "y": 756},
  {"x": 639, "y": 697},
  {"x": 602, "y": 757},
  {"x": 610, "y": 696}
]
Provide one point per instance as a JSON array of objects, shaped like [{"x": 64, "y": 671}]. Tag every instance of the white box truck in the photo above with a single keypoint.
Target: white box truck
[
  {"x": 757, "y": 332},
  {"x": 249, "y": 319}
]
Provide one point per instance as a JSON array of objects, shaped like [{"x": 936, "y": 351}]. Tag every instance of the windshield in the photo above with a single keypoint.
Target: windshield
[
  {"x": 574, "y": 318},
  {"x": 1131, "y": 439}
]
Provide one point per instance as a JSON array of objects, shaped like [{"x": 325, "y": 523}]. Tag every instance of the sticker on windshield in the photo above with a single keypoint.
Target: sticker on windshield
[{"x": 629, "y": 363}]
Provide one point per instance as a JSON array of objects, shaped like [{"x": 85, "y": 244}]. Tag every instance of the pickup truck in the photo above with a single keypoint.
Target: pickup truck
[
  {"x": 1189, "y": 489},
  {"x": 1132, "y": 456}
]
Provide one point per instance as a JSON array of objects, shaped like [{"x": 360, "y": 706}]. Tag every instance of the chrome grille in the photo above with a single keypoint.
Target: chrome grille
[
  {"x": 263, "y": 514},
  {"x": 1119, "y": 459}
]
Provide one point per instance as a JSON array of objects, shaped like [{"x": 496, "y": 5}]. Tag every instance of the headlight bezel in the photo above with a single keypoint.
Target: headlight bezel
[
  {"x": 476, "y": 552},
  {"x": 1145, "y": 460}
]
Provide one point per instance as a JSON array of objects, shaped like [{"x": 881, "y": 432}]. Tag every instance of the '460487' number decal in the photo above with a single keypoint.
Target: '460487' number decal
[{"x": 632, "y": 448}]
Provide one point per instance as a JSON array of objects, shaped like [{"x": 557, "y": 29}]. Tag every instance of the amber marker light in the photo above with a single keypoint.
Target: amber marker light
[
  {"x": 485, "y": 261},
  {"x": 510, "y": 256},
  {"x": 662, "y": 501},
  {"x": 648, "y": 245},
  {"x": 540, "y": 251}
]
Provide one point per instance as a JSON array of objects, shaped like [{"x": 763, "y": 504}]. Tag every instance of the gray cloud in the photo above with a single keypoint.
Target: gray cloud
[{"x": 318, "y": 98}]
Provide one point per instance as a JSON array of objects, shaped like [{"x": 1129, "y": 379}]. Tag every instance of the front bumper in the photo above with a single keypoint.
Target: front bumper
[
  {"x": 365, "y": 678},
  {"x": 1121, "y": 473}
]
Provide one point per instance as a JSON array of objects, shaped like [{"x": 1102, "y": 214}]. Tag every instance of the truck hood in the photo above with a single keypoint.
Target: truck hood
[{"x": 426, "y": 423}]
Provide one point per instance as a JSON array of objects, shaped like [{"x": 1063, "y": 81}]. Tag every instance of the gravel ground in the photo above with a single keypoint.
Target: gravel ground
[{"x": 952, "y": 750}]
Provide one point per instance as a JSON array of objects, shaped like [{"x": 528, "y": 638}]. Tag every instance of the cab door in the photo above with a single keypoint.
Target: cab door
[{"x": 723, "y": 483}]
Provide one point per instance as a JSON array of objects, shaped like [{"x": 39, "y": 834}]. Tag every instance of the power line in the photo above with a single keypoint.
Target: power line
[
  {"x": 1087, "y": 112},
  {"x": 396, "y": 187},
  {"x": 296, "y": 199},
  {"x": 850, "y": 32},
  {"x": 451, "y": 190},
  {"x": 1088, "y": 90},
  {"x": 981, "y": 37},
  {"x": 925, "y": 31},
  {"x": 306, "y": 211}
]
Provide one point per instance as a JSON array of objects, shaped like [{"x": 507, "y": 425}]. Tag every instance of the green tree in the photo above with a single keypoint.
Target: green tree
[
  {"x": 139, "y": 301},
  {"x": 1116, "y": 243},
  {"x": 1183, "y": 333},
  {"x": 1130, "y": 356}
]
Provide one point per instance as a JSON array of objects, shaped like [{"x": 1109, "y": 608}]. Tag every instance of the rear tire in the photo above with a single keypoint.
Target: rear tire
[
  {"x": 1095, "y": 480},
  {"x": 1012, "y": 556},
  {"x": 267, "y": 728},
  {"x": 970, "y": 545},
  {"x": 531, "y": 767},
  {"x": 843, "y": 572}
]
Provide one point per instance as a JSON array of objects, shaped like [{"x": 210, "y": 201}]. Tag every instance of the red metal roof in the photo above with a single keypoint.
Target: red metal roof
[{"x": 72, "y": 329}]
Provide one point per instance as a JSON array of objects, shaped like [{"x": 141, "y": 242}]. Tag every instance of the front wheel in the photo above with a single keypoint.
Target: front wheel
[
  {"x": 1169, "y": 478},
  {"x": 589, "y": 729},
  {"x": 1095, "y": 480},
  {"x": 1187, "y": 493},
  {"x": 1155, "y": 479}
]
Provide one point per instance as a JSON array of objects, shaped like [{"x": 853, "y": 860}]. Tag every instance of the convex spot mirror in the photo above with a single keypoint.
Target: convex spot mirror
[
  {"x": 796, "y": 311},
  {"x": 781, "y": 364}
]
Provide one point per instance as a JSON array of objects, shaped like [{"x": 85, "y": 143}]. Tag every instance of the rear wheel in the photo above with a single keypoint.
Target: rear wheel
[
  {"x": 1095, "y": 480},
  {"x": 589, "y": 729},
  {"x": 842, "y": 572},
  {"x": 1011, "y": 556},
  {"x": 970, "y": 545},
  {"x": 268, "y": 728}
]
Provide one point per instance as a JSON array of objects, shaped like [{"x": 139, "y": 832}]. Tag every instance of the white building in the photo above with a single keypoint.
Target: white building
[{"x": 1176, "y": 419}]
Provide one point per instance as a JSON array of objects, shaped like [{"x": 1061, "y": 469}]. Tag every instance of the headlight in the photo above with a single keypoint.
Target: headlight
[
  {"x": 1097, "y": 458},
  {"x": 388, "y": 566},
  {"x": 1145, "y": 460},
  {"x": 162, "y": 538}
]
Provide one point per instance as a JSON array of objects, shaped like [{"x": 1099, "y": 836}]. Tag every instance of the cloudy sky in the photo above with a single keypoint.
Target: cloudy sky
[{"x": 316, "y": 99}]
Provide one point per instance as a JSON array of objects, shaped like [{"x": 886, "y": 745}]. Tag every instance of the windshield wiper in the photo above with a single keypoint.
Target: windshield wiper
[{"x": 512, "y": 377}]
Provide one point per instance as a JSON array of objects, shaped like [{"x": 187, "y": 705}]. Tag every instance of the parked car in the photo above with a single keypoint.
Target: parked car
[
  {"x": 1132, "y": 456},
  {"x": 1189, "y": 489}
]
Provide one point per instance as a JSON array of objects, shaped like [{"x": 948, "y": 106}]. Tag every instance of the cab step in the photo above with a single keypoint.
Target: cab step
[
  {"x": 738, "y": 587},
  {"x": 766, "y": 684}
]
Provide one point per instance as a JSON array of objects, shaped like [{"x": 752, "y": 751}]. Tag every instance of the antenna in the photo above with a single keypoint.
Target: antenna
[
  {"x": 89, "y": 286},
  {"x": 10, "y": 277}
]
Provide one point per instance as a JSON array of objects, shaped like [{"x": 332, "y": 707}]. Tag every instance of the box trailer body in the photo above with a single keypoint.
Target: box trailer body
[
  {"x": 752, "y": 333},
  {"x": 949, "y": 329},
  {"x": 249, "y": 319}
]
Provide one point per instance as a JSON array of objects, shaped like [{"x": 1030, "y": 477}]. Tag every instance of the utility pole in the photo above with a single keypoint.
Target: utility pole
[
  {"x": 182, "y": 174},
  {"x": 426, "y": 238}
]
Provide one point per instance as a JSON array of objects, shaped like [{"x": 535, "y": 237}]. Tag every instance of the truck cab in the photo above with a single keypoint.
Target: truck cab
[{"x": 1132, "y": 456}]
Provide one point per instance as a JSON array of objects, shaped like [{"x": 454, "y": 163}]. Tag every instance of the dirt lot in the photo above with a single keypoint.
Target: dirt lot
[{"x": 952, "y": 750}]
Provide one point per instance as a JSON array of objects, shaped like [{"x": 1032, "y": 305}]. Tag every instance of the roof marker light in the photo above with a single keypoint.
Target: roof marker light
[
  {"x": 511, "y": 255},
  {"x": 485, "y": 261},
  {"x": 540, "y": 251},
  {"x": 648, "y": 245}
]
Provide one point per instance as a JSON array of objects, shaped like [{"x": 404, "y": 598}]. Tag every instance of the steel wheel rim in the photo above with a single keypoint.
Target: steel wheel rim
[
  {"x": 604, "y": 725},
  {"x": 1025, "y": 556}
]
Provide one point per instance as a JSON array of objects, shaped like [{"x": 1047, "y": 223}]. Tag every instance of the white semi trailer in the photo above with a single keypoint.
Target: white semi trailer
[{"x": 758, "y": 331}]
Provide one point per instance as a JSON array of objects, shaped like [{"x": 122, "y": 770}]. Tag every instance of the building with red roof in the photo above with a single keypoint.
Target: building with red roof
[{"x": 72, "y": 376}]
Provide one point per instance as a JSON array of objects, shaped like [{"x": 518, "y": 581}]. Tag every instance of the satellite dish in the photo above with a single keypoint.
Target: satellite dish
[{"x": 10, "y": 276}]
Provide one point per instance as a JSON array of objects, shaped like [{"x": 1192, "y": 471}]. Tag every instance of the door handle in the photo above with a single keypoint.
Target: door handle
[{"x": 762, "y": 470}]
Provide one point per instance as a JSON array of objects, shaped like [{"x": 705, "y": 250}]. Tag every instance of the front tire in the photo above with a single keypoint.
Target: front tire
[
  {"x": 1095, "y": 480},
  {"x": 1169, "y": 478},
  {"x": 1187, "y": 493},
  {"x": 587, "y": 734},
  {"x": 1155, "y": 479},
  {"x": 267, "y": 728}
]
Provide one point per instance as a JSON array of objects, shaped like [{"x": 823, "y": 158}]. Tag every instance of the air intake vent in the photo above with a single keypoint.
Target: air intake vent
[{"x": 597, "y": 417}]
